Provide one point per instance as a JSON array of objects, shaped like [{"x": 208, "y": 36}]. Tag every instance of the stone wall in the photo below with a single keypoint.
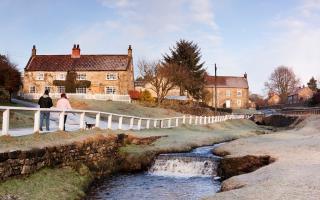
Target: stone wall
[
  {"x": 234, "y": 98},
  {"x": 99, "y": 153},
  {"x": 123, "y": 84}
]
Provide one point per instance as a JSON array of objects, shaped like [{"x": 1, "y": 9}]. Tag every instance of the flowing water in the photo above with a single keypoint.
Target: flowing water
[{"x": 172, "y": 176}]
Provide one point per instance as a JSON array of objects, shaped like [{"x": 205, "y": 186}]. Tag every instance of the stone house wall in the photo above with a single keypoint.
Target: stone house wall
[
  {"x": 123, "y": 84},
  {"x": 223, "y": 95}
]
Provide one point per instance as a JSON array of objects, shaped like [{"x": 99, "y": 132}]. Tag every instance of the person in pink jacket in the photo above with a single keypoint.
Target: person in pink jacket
[{"x": 64, "y": 104}]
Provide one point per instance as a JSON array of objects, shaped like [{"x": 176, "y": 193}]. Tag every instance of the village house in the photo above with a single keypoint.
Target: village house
[
  {"x": 300, "y": 95},
  {"x": 232, "y": 92},
  {"x": 107, "y": 74},
  {"x": 273, "y": 99}
]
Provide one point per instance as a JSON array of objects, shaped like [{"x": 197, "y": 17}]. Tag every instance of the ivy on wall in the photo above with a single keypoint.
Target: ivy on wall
[{"x": 71, "y": 82}]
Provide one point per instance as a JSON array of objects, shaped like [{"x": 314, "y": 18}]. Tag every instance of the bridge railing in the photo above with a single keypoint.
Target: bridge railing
[
  {"x": 301, "y": 111},
  {"x": 133, "y": 121}
]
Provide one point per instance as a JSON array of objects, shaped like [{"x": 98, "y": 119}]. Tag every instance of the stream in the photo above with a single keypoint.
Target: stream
[{"x": 172, "y": 176}]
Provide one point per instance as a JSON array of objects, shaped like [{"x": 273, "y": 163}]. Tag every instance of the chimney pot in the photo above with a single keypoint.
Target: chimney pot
[
  {"x": 245, "y": 75},
  {"x": 130, "y": 51},
  {"x": 34, "y": 51},
  {"x": 75, "y": 51}
]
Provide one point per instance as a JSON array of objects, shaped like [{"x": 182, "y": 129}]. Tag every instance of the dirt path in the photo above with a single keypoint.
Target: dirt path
[{"x": 295, "y": 173}]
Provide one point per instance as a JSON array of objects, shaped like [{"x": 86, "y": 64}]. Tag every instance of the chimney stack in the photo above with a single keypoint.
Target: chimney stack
[
  {"x": 130, "y": 51},
  {"x": 245, "y": 75},
  {"x": 75, "y": 51},
  {"x": 34, "y": 51}
]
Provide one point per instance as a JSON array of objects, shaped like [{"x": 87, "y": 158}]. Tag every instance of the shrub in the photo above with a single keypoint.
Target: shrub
[
  {"x": 146, "y": 96},
  {"x": 315, "y": 100},
  {"x": 134, "y": 94}
]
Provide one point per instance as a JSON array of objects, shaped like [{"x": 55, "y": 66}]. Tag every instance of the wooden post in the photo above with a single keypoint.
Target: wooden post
[
  {"x": 131, "y": 123},
  {"x": 97, "y": 125},
  {"x": 82, "y": 124},
  {"x": 205, "y": 120},
  {"x": 36, "y": 123},
  {"x": 169, "y": 122},
  {"x": 148, "y": 124},
  {"x": 120, "y": 122},
  {"x": 61, "y": 121},
  {"x": 183, "y": 119},
  {"x": 190, "y": 119},
  {"x": 196, "y": 120},
  {"x": 155, "y": 123},
  {"x": 200, "y": 120},
  {"x": 161, "y": 123},
  {"x": 5, "y": 122},
  {"x": 177, "y": 121},
  {"x": 110, "y": 121},
  {"x": 139, "y": 124}
]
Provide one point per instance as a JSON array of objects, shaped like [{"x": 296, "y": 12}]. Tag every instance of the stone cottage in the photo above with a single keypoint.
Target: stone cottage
[
  {"x": 232, "y": 91},
  {"x": 108, "y": 74},
  {"x": 300, "y": 95}
]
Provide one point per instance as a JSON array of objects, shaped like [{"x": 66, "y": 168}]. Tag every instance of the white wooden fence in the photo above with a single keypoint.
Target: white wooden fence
[
  {"x": 149, "y": 122},
  {"x": 112, "y": 97}
]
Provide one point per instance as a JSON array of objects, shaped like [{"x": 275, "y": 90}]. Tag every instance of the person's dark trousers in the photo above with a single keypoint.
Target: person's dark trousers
[
  {"x": 45, "y": 116},
  {"x": 64, "y": 124}
]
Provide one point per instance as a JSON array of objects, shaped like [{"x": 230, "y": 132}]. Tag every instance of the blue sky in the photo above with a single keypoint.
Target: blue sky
[{"x": 252, "y": 36}]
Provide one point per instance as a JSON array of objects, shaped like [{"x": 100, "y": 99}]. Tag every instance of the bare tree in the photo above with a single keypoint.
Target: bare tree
[
  {"x": 159, "y": 76},
  {"x": 282, "y": 81}
]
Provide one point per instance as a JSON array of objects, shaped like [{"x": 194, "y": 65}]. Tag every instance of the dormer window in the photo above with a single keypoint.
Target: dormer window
[
  {"x": 40, "y": 76},
  {"x": 112, "y": 76},
  {"x": 81, "y": 76}
]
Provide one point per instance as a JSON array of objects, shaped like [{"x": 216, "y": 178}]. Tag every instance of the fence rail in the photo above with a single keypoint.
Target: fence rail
[
  {"x": 301, "y": 111},
  {"x": 149, "y": 122},
  {"x": 112, "y": 97}
]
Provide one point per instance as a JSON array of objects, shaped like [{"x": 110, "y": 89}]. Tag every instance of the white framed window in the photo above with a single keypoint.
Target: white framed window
[
  {"x": 81, "y": 90},
  {"x": 47, "y": 88},
  {"x": 239, "y": 93},
  {"x": 110, "y": 90},
  {"x": 61, "y": 76},
  {"x": 61, "y": 89},
  {"x": 40, "y": 76},
  {"x": 228, "y": 93},
  {"x": 239, "y": 102},
  {"x": 112, "y": 76},
  {"x": 81, "y": 76},
  {"x": 32, "y": 89}
]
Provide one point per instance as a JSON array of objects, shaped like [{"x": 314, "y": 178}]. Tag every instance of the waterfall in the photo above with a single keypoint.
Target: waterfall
[{"x": 194, "y": 164}]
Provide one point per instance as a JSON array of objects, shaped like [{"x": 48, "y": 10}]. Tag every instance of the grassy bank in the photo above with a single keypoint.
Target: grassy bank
[
  {"x": 69, "y": 184},
  {"x": 49, "y": 184}
]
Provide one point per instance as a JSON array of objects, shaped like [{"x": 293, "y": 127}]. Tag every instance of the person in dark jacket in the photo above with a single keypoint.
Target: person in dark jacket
[{"x": 45, "y": 102}]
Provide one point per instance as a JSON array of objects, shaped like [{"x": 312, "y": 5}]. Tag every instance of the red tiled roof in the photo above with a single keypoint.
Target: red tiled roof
[
  {"x": 227, "y": 82},
  {"x": 84, "y": 63}
]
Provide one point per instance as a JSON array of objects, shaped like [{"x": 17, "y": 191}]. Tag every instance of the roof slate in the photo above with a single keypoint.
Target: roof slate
[
  {"x": 84, "y": 63},
  {"x": 227, "y": 82}
]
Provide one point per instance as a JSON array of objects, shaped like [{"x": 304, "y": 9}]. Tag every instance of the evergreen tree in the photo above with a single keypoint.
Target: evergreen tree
[
  {"x": 312, "y": 84},
  {"x": 189, "y": 75}
]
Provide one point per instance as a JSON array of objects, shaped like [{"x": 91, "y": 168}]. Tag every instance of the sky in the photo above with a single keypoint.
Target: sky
[{"x": 253, "y": 36}]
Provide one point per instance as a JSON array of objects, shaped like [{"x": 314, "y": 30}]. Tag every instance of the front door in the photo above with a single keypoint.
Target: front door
[{"x": 228, "y": 103}]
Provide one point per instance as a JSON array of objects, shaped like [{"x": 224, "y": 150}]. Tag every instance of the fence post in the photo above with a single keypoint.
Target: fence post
[
  {"x": 120, "y": 122},
  {"x": 82, "y": 125},
  {"x": 110, "y": 121},
  {"x": 196, "y": 120},
  {"x": 131, "y": 123},
  {"x": 161, "y": 123},
  {"x": 169, "y": 122},
  {"x": 200, "y": 120},
  {"x": 155, "y": 123},
  {"x": 148, "y": 124},
  {"x": 61, "y": 121},
  {"x": 190, "y": 119},
  {"x": 205, "y": 120},
  {"x": 177, "y": 121},
  {"x": 183, "y": 119},
  {"x": 36, "y": 124},
  {"x": 139, "y": 124},
  {"x": 5, "y": 121},
  {"x": 97, "y": 120}
]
